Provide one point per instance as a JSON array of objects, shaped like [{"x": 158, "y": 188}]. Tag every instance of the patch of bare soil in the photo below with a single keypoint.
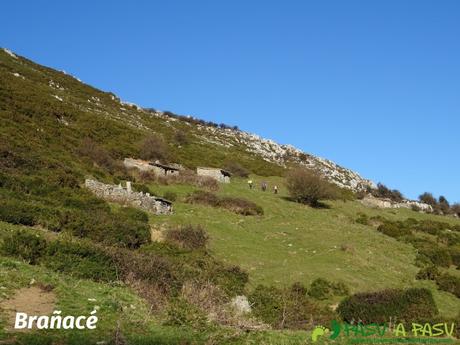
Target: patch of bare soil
[{"x": 32, "y": 300}]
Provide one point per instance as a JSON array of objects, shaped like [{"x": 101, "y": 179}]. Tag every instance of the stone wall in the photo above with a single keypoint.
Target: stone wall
[
  {"x": 125, "y": 196},
  {"x": 214, "y": 173},
  {"x": 372, "y": 201}
]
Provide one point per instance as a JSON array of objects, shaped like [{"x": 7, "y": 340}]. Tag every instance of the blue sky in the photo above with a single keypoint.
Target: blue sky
[{"x": 372, "y": 85}]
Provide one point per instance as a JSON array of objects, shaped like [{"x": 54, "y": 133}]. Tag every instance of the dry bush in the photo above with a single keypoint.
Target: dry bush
[
  {"x": 308, "y": 187},
  {"x": 236, "y": 169},
  {"x": 187, "y": 237},
  {"x": 151, "y": 269},
  {"x": 216, "y": 305},
  {"x": 236, "y": 205},
  {"x": 99, "y": 155},
  {"x": 154, "y": 148}
]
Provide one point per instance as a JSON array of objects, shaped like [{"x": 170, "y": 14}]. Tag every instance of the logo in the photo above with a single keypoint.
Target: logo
[
  {"x": 357, "y": 333},
  {"x": 56, "y": 321}
]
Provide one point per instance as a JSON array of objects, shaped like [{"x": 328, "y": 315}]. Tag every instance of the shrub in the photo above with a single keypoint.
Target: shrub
[
  {"x": 236, "y": 169},
  {"x": 181, "y": 138},
  {"x": 428, "y": 273},
  {"x": 24, "y": 245},
  {"x": 139, "y": 187},
  {"x": 184, "y": 314},
  {"x": 236, "y": 205},
  {"x": 383, "y": 191},
  {"x": 232, "y": 280},
  {"x": 455, "y": 209},
  {"x": 150, "y": 268},
  {"x": 362, "y": 219},
  {"x": 393, "y": 229},
  {"x": 99, "y": 155},
  {"x": 308, "y": 187},
  {"x": 431, "y": 227},
  {"x": 17, "y": 212},
  {"x": 171, "y": 196},
  {"x": 188, "y": 237},
  {"x": 409, "y": 305},
  {"x": 438, "y": 256},
  {"x": 287, "y": 308},
  {"x": 82, "y": 260},
  {"x": 154, "y": 148},
  {"x": 449, "y": 283},
  {"x": 126, "y": 228},
  {"x": 428, "y": 198},
  {"x": 323, "y": 289}
]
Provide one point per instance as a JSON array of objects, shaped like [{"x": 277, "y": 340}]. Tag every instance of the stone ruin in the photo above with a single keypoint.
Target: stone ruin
[
  {"x": 156, "y": 167},
  {"x": 371, "y": 201},
  {"x": 215, "y": 173},
  {"x": 126, "y": 196}
]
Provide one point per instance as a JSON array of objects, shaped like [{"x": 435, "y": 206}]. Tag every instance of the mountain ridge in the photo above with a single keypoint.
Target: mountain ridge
[{"x": 133, "y": 115}]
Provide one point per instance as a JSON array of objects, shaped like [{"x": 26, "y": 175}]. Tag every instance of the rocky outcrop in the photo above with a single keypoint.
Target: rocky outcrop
[
  {"x": 372, "y": 201},
  {"x": 125, "y": 196}
]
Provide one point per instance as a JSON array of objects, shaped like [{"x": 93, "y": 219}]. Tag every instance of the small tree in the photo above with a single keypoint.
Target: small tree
[
  {"x": 428, "y": 198},
  {"x": 444, "y": 205},
  {"x": 181, "y": 138},
  {"x": 455, "y": 208},
  {"x": 154, "y": 148},
  {"x": 307, "y": 187}
]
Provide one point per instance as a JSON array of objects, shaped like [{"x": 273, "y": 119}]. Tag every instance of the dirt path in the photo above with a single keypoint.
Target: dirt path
[{"x": 31, "y": 300}]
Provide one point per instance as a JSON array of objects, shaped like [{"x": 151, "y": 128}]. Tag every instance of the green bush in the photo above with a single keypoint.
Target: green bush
[
  {"x": 323, "y": 289},
  {"x": 428, "y": 273},
  {"x": 82, "y": 260},
  {"x": 449, "y": 283},
  {"x": 169, "y": 195},
  {"x": 287, "y": 308},
  {"x": 232, "y": 280},
  {"x": 438, "y": 256},
  {"x": 393, "y": 229},
  {"x": 24, "y": 245},
  {"x": 184, "y": 314},
  {"x": 411, "y": 305},
  {"x": 17, "y": 212},
  {"x": 362, "y": 219}
]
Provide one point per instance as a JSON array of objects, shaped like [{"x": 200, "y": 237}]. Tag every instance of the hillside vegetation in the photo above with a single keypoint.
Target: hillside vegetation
[{"x": 173, "y": 279}]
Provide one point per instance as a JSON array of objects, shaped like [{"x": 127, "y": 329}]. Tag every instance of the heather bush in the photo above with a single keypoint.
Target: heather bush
[
  {"x": 288, "y": 308},
  {"x": 411, "y": 305},
  {"x": 323, "y": 289},
  {"x": 236, "y": 205},
  {"x": 394, "y": 229},
  {"x": 449, "y": 283},
  {"x": 187, "y": 237},
  {"x": 24, "y": 245}
]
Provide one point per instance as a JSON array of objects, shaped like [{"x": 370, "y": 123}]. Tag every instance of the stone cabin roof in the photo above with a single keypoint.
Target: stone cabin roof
[{"x": 164, "y": 166}]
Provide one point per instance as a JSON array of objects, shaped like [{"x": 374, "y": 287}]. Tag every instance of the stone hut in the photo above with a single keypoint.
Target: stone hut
[
  {"x": 158, "y": 168},
  {"x": 216, "y": 173},
  {"x": 165, "y": 170},
  {"x": 126, "y": 196}
]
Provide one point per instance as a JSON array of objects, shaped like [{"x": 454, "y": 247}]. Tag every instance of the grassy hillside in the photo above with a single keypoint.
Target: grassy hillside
[{"x": 59, "y": 239}]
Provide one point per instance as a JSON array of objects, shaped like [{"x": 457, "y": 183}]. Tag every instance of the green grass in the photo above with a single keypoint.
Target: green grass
[{"x": 294, "y": 242}]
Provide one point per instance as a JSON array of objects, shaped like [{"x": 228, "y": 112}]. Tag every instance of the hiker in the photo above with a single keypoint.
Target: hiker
[
  {"x": 250, "y": 184},
  {"x": 275, "y": 189},
  {"x": 264, "y": 186}
]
